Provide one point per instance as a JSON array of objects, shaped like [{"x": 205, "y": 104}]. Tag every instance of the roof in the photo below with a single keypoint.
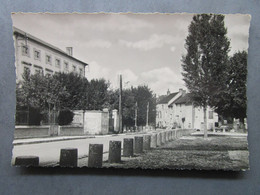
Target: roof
[
  {"x": 39, "y": 41},
  {"x": 167, "y": 98},
  {"x": 186, "y": 99}
]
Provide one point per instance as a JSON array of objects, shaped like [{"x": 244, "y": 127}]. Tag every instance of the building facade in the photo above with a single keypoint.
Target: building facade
[
  {"x": 176, "y": 110},
  {"x": 38, "y": 56}
]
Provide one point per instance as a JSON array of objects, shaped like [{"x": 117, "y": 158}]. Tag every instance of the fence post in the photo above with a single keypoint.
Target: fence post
[
  {"x": 95, "y": 155},
  {"x": 69, "y": 157}
]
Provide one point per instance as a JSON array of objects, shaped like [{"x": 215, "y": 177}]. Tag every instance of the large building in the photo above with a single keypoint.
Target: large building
[
  {"x": 176, "y": 110},
  {"x": 35, "y": 55}
]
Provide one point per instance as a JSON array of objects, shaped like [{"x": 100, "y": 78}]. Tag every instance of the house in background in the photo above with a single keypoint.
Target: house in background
[
  {"x": 38, "y": 56},
  {"x": 177, "y": 110},
  {"x": 164, "y": 113}
]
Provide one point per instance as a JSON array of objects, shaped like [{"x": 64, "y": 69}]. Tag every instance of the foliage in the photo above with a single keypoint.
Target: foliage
[
  {"x": 140, "y": 95},
  {"x": 205, "y": 64},
  {"x": 61, "y": 91},
  {"x": 65, "y": 117},
  {"x": 97, "y": 94},
  {"x": 232, "y": 102}
]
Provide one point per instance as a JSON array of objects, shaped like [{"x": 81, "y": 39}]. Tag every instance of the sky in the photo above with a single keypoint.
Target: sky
[{"x": 144, "y": 48}]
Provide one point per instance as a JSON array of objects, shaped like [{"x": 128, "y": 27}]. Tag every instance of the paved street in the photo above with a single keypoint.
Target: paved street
[{"x": 49, "y": 152}]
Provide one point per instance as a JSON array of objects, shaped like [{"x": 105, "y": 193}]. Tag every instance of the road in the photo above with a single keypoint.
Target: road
[{"x": 49, "y": 152}]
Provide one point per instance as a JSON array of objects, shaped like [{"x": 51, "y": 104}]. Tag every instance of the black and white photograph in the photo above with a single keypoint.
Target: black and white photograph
[{"x": 125, "y": 90}]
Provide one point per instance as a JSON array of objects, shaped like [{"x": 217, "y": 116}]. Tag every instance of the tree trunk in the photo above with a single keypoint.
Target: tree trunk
[{"x": 205, "y": 122}]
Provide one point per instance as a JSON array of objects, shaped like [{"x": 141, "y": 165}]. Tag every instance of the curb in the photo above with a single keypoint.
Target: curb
[{"x": 53, "y": 140}]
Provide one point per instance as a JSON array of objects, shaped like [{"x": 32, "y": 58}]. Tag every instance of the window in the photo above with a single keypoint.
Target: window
[
  {"x": 38, "y": 71},
  {"x": 48, "y": 59},
  {"x": 48, "y": 72},
  {"x": 25, "y": 50},
  {"x": 74, "y": 68},
  {"x": 66, "y": 66},
  {"x": 81, "y": 72},
  {"x": 37, "y": 54},
  {"x": 48, "y": 75},
  {"x": 210, "y": 114},
  {"x": 26, "y": 70},
  {"x": 57, "y": 63}
]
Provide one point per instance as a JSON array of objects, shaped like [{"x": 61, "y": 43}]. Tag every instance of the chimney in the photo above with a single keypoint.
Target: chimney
[
  {"x": 69, "y": 51},
  {"x": 182, "y": 92},
  {"x": 168, "y": 92}
]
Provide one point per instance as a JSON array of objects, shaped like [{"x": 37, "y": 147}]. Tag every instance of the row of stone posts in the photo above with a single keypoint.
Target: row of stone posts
[{"x": 131, "y": 146}]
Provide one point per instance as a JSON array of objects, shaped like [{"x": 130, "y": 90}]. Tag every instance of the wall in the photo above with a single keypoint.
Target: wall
[
  {"x": 78, "y": 117},
  {"x": 31, "y": 131},
  {"x": 96, "y": 122},
  {"x": 70, "y": 130}
]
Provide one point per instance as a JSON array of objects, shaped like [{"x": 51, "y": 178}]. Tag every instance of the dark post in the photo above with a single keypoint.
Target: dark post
[
  {"x": 128, "y": 148},
  {"x": 138, "y": 144},
  {"x": 95, "y": 155},
  {"x": 69, "y": 157},
  {"x": 136, "y": 106},
  {"x": 120, "y": 103},
  {"x": 147, "y": 115},
  {"x": 114, "y": 155},
  {"x": 27, "y": 161}
]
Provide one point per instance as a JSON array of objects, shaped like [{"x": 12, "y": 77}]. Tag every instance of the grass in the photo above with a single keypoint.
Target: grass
[{"x": 218, "y": 153}]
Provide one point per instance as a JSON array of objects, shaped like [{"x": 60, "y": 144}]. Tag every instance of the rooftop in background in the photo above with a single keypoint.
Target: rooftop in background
[
  {"x": 39, "y": 41},
  {"x": 186, "y": 99},
  {"x": 167, "y": 98}
]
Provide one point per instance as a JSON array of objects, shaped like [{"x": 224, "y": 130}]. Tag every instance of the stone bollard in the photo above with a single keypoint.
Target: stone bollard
[
  {"x": 170, "y": 135},
  {"x": 138, "y": 145},
  {"x": 95, "y": 155},
  {"x": 128, "y": 147},
  {"x": 147, "y": 142},
  {"x": 163, "y": 137},
  {"x": 167, "y": 136},
  {"x": 175, "y": 134},
  {"x": 159, "y": 139},
  {"x": 114, "y": 155},
  {"x": 69, "y": 157},
  {"x": 27, "y": 161},
  {"x": 153, "y": 140}
]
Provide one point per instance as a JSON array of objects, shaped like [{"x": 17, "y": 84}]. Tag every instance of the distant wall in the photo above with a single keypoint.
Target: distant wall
[
  {"x": 31, "y": 131},
  {"x": 70, "y": 130},
  {"x": 96, "y": 122}
]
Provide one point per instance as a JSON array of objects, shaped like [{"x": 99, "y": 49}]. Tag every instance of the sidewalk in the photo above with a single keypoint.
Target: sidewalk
[
  {"x": 65, "y": 138},
  {"x": 199, "y": 133},
  {"x": 49, "y": 139}
]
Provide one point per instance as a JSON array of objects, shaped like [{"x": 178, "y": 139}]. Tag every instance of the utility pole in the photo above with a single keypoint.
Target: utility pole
[
  {"x": 120, "y": 104},
  {"x": 136, "y": 115},
  {"x": 147, "y": 114}
]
